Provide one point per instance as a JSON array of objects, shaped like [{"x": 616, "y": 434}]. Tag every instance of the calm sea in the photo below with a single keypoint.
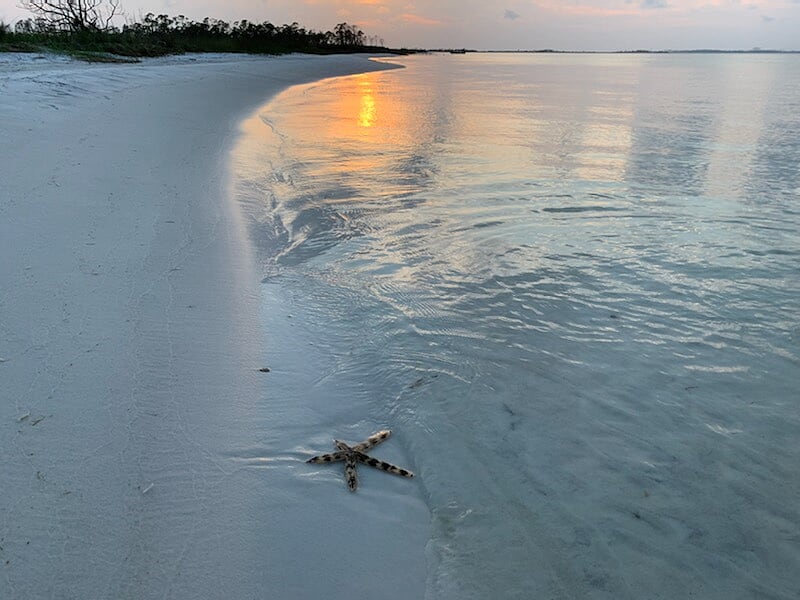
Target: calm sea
[{"x": 571, "y": 285}]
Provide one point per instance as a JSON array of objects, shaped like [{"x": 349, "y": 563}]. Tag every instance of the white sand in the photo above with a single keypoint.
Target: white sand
[{"x": 133, "y": 419}]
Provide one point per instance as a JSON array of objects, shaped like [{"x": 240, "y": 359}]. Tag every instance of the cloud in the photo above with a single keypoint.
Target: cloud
[
  {"x": 654, "y": 3},
  {"x": 510, "y": 14},
  {"x": 418, "y": 20},
  {"x": 767, "y": 19},
  {"x": 572, "y": 8}
]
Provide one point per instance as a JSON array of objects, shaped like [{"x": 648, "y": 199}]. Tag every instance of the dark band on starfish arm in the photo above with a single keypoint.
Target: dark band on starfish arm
[
  {"x": 327, "y": 458},
  {"x": 350, "y": 473},
  {"x": 383, "y": 466}
]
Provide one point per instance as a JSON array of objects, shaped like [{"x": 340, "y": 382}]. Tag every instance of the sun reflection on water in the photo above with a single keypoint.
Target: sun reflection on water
[{"x": 368, "y": 113}]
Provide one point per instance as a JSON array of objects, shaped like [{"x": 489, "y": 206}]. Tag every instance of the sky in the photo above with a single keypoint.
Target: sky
[{"x": 514, "y": 24}]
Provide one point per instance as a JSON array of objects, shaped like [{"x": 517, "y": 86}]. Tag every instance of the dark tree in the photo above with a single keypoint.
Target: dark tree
[
  {"x": 348, "y": 35},
  {"x": 85, "y": 26},
  {"x": 74, "y": 15}
]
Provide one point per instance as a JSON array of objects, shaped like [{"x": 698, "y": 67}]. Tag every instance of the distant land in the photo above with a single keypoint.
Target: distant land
[{"x": 553, "y": 51}]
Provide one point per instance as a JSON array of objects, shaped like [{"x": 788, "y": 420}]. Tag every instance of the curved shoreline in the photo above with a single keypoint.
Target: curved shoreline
[{"x": 131, "y": 334}]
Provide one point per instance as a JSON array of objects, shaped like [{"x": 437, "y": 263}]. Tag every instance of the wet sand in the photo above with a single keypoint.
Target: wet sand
[{"x": 131, "y": 337}]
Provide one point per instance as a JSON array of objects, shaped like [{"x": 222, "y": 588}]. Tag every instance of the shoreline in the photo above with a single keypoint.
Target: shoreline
[{"x": 132, "y": 334}]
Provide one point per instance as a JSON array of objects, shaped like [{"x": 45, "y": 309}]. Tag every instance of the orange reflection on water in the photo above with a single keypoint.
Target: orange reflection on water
[
  {"x": 355, "y": 126},
  {"x": 365, "y": 108},
  {"x": 368, "y": 112}
]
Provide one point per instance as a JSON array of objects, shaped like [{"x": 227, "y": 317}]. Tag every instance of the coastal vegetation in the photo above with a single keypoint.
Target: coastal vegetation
[{"x": 85, "y": 29}]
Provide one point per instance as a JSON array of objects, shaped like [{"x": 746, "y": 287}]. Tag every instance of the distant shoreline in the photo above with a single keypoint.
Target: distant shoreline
[{"x": 551, "y": 51}]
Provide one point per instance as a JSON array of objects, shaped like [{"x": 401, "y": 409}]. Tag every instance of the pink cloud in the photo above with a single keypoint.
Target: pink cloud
[{"x": 418, "y": 20}]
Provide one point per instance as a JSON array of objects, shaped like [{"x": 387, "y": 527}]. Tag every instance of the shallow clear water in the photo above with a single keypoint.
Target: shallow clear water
[{"x": 570, "y": 284}]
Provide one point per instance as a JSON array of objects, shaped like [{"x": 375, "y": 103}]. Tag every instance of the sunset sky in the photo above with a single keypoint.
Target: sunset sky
[{"x": 515, "y": 24}]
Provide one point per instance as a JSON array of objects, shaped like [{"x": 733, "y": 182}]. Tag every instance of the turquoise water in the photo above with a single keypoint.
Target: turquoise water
[{"x": 570, "y": 285}]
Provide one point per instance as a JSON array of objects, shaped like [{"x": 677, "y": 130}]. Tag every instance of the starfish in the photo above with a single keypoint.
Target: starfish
[{"x": 355, "y": 453}]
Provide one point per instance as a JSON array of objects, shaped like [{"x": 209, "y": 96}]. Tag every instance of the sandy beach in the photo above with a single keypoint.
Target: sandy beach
[{"x": 131, "y": 337}]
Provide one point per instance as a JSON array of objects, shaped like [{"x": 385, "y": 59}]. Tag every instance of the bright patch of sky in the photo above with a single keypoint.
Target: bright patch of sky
[{"x": 514, "y": 24}]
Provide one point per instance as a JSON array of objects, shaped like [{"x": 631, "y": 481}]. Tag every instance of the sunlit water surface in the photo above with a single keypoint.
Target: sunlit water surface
[{"x": 571, "y": 285}]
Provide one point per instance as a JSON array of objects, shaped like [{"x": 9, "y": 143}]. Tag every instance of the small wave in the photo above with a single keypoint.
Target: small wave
[{"x": 580, "y": 209}]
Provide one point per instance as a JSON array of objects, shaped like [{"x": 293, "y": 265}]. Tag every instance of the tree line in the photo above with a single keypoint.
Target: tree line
[{"x": 86, "y": 26}]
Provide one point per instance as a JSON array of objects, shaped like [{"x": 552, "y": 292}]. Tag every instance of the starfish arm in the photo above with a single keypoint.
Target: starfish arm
[
  {"x": 343, "y": 448},
  {"x": 383, "y": 466},
  {"x": 373, "y": 440},
  {"x": 350, "y": 474},
  {"x": 327, "y": 458}
]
